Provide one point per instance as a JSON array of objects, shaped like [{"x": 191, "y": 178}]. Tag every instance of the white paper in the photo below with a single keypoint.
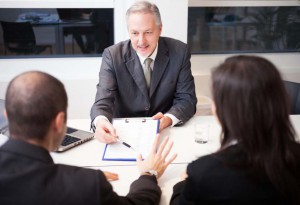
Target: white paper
[{"x": 138, "y": 133}]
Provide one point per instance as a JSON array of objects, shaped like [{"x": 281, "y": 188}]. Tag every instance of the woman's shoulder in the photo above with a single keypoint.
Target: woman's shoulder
[{"x": 228, "y": 158}]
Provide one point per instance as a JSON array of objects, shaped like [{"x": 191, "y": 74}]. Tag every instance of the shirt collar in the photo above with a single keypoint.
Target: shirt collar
[{"x": 152, "y": 56}]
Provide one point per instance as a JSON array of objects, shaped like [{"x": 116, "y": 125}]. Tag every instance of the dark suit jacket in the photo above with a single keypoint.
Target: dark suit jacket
[
  {"x": 224, "y": 178},
  {"x": 122, "y": 91},
  {"x": 29, "y": 176}
]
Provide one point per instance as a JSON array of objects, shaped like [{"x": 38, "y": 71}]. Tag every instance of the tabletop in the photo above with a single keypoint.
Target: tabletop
[{"x": 89, "y": 154}]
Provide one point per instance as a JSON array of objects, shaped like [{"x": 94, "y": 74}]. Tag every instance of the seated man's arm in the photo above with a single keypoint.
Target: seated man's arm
[
  {"x": 102, "y": 109},
  {"x": 106, "y": 89},
  {"x": 185, "y": 100}
]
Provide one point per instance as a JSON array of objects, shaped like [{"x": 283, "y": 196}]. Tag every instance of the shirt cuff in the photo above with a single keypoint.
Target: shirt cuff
[
  {"x": 99, "y": 117},
  {"x": 173, "y": 118}
]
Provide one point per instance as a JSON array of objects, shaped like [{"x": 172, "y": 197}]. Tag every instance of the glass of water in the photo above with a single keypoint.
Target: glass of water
[{"x": 201, "y": 133}]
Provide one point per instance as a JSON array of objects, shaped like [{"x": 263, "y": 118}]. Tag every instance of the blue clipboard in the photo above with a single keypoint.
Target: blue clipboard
[{"x": 137, "y": 132}]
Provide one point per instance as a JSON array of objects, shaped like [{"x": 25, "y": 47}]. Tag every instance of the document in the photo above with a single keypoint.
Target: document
[{"x": 136, "y": 136}]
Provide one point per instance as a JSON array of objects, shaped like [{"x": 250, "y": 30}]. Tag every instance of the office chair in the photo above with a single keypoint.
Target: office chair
[
  {"x": 293, "y": 89},
  {"x": 91, "y": 37},
  {"x": 19, "y": 38},
  {"x": 78, "y": 33}
]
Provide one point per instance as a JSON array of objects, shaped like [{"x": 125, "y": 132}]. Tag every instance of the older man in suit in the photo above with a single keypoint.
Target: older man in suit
[{"x": 129, "y": 87}]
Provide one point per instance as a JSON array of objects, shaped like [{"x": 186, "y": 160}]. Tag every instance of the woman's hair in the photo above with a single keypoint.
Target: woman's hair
[{"x": 253, "y": 109}]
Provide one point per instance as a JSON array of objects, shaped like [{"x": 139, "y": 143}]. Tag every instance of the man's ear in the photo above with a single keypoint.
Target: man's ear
[
  {"x": 57, "y": 131},
  {"x": 160, "y": 29},
  {"x": 60, "y": 122}
]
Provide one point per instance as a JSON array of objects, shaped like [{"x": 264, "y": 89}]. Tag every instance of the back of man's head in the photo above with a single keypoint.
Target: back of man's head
[{"x": 33, "y": 99}]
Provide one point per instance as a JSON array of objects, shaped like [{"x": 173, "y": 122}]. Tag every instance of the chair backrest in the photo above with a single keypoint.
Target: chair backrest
[
  {"x": 293, "y": 90},
  {"x": 69, "y": 14},
  {"x": 18, "y": 36}
]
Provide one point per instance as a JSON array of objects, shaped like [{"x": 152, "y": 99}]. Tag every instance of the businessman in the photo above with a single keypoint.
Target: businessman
[
  {"x": 36, "y": 105},
  {"x": 146, "y": 76}
]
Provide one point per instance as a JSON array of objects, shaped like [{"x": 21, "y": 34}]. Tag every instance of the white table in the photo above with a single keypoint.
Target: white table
[{"x": 90, "y": 154}]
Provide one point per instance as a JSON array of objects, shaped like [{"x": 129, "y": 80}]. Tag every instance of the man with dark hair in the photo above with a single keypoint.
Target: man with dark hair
[
  {"x": 31, "y": 109},
  {"x": 36, "y": 105}
]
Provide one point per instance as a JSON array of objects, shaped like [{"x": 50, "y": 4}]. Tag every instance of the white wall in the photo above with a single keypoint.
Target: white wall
[
  {"x": 287, "y": 63},
  {"x": 80, "y": 75}
]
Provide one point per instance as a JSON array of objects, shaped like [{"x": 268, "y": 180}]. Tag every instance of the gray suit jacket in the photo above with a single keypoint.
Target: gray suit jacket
[{"x": 122, "y": 91}]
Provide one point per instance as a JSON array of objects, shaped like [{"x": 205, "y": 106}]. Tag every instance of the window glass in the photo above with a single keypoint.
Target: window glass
[
  {"x": 243, "y": 29},
  {"x": 50, "y": 32}
]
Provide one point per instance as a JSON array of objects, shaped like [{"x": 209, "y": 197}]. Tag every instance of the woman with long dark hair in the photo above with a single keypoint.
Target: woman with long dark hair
[{"x": 259, "y": 158}]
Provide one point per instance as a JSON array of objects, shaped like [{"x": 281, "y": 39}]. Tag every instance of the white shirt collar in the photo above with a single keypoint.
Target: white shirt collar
[{"x": 152, "y": 56}]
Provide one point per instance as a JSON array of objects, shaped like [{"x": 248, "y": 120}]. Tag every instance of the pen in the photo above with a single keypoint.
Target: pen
[{"x": 125, "y": 144}]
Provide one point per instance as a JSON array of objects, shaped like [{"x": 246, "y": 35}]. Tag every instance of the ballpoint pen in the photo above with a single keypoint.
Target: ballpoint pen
[{"x": 125, "y": 144}]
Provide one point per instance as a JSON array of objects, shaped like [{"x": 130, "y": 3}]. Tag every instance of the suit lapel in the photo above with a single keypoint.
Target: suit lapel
[
  {"x": 160, "y": 65},
  {"x": 134, "y": 67}
]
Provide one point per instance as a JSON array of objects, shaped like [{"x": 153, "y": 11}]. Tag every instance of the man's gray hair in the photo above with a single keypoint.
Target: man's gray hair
[{"x": 144, "y": 7}]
